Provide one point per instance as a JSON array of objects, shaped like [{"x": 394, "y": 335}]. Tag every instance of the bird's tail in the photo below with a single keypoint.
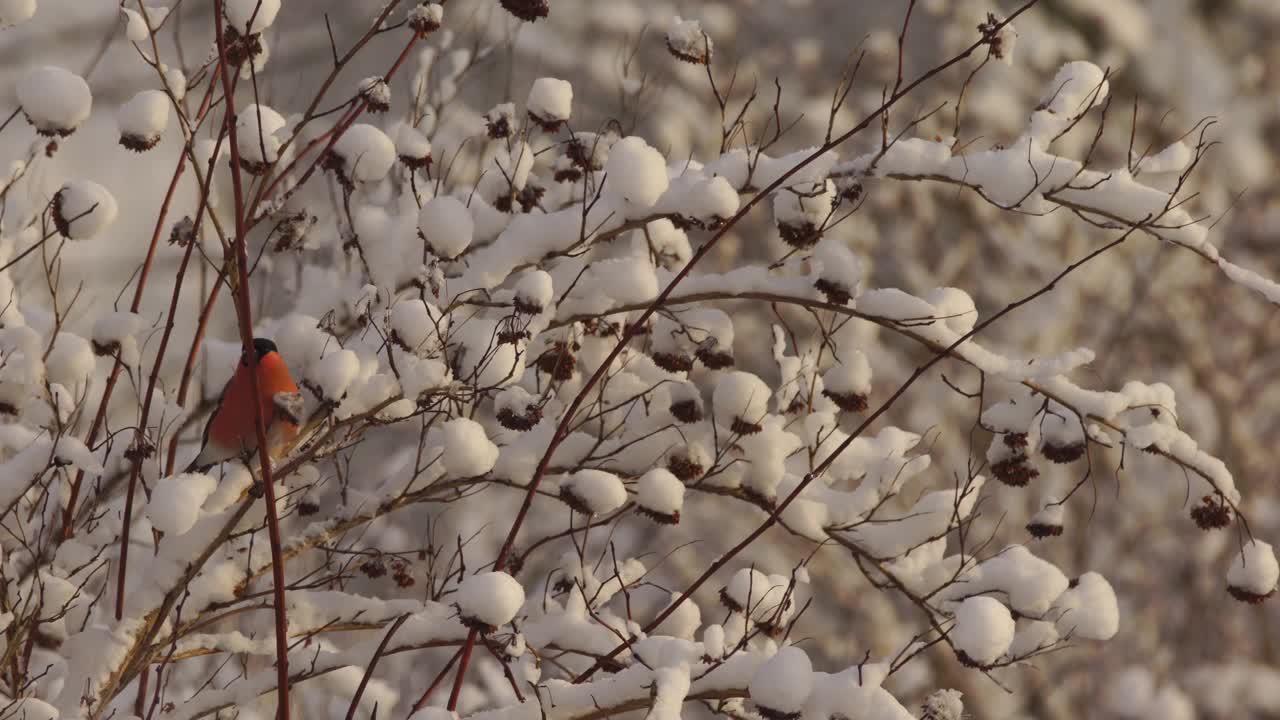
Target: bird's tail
[{"x": 198, "y": 466}]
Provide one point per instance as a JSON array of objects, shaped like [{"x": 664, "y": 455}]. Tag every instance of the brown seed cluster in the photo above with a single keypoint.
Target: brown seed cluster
[
  {"x": 1015, "y": 470},
  {"x": 801, "y": 236},
  {"x": 559, "y": 361},
  {"x": 686, "y": 411},
  {"x": 1041, "y": 531},
  {"x": 527, "y": 10},
  {"x": 836, "y": 294},
  {"x": 847, "y": 402},
  {"x": 1212, "y": 513},
  {"x": 684, "y": 468},
  {"x": 673, "y": 362},
  {"x": 660, "y": 518},
  {"x": 520, "y": 422},
  {"x": 1246, "y": 596},
  {"x": 1063, "y": 454}
]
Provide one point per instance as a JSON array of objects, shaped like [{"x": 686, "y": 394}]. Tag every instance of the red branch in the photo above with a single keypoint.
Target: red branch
[{"x": 243, "y": 310}]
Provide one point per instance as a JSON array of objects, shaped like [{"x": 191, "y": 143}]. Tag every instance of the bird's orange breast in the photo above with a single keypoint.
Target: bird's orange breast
[{"x": 233, "y": 425}]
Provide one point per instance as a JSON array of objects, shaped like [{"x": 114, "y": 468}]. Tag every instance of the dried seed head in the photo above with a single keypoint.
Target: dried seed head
[
  {"x": 1212, "y": 513},
  {"x": 1246, "y": 596},
  {"x": 183, "y": 232},
  {"x": 373, "y": 568},
  {"x": 847, "y": 402},
  {"x": 800, "y": 235},
  {"x": 558, "y": 361},
  {"x": 376, "y": 94},
  {"x": 1063, "y": 454},
  {"x": 1041, "y": 530},
  {"x": 771, "y": 714},
  {"x": 673, "y": 362},
  {"x": 426, "y": 18},
  {"x": 1014, "y": 471},
  {"x": 687, "y": 411},
  {"x": 241, "y": 48},
  {"x": 684, "y": 468},
  {"x": 687, "y": 42},
  {"x": 835, "y": 293},
  {"x": 292, "y": 230},
  {"x": 139, "y": 143},
  {"x": 713, "y": 358},
  {"x": 527, "y": 10},
  {"x": 520, "y": 422},
  {"x": 499, "y": 121},
  {"x": 660, "y": 518},
  {"x": 1015, "y": 441}
]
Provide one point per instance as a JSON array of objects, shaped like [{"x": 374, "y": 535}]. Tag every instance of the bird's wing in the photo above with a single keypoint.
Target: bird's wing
[{"x": 196, "y": 464}]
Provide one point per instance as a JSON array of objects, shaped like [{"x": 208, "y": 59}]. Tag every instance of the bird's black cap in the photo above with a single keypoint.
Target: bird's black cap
[{"x": 263, "y": 347}]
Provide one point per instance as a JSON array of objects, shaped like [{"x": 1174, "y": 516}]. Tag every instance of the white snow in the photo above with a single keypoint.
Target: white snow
[
  {"x": 468, "y": 451},
  {"x": 1051, "y": 515},
  {"x": 492, "y": 598},
  {"x": 688, "y": 41},
  {"x": 117, "y": 332},
  {"x": 376, "y": 92},
  {"x": 411, "y": 143},
  {"x": 86, "y": 208},
  {"x": 367, "y": 153},
  {"x": 484, "y": 360},
  {"x": 783, "y": 682},
  {"x": 261, "y": 12},
  {"x": 1077, "y": 87},
  {"x": 16, "y": 12},
  {"x": 623, "y": 281},
  {"x": 837, "y": 264},
  {"x": 660, "y": 491},
  {"x": 447, "y": 225},
  {"x": 760, "y": 595},
  {"x": 144, "y": 117},
  {"x": 256, "y": 128},
  {"x": 55, "y": 100},
  {"x": 601, "y": 492},
  {"x": 175, "y": 501},
  {"x": 135, "y": 28},
  {"x": 334, "y": 373},
  {"x": 1172, "y": 159},
  {"x": 984, "y": 629},
  {"x": 852, "y": 375},
  {"x": 1088, "y": 610},
  {"x": 895, "y": 304},
  {"x": 636, "y": 172},
  {"x": 31, "y": 708},
  {"x": 175, "y": 80},
  {"x": 741, "y": 396},
  {"x": 1254, "y": 570},
  {"x": 71, "y": 360},
  {"x": 944, "y": 705},
  {"x": 699, "y": 197},
  {"x": 1268, "y": 288},
  {"x": 418, "y": 324},
  {"x": 535, "y": 290},
  {"x": 550, "y": 100},
  {"x": 804, "y": 204},
  {"x": 955, "y": 306},
  {"x": 671, "y": 685},
  {"x": 429, "y": 13}
]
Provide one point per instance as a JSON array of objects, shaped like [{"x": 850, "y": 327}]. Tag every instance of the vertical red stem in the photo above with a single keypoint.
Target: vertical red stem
[{"x": 243, "y": 309}]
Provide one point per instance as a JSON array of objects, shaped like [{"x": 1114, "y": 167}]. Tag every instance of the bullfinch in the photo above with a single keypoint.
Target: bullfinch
[{"x": 230, "y": 432}]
